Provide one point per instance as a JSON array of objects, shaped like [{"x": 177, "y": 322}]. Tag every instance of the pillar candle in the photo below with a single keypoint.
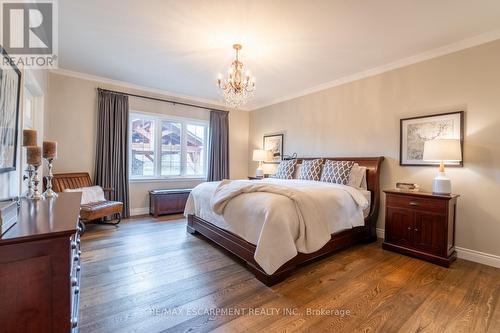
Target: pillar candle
[
  {"x": 34, "y": 155},
  {"x": 49, "y": 149},
  {"x": 29, "y": 138}
]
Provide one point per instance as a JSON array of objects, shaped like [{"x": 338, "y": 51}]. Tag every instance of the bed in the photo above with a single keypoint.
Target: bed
[{"x": 339, "y": 236}]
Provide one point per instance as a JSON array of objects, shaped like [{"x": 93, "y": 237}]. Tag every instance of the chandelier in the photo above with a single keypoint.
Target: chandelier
[{"x": 237, "y": 89}]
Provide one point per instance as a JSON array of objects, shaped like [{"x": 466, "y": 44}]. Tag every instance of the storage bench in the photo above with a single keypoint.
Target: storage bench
[{"x": 167, "y": 201}]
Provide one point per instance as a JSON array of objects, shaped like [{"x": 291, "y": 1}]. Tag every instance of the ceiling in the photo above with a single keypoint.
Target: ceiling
[{"x": 290, "y": 46}]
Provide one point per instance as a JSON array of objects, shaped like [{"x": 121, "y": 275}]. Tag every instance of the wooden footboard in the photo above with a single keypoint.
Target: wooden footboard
[
  {"x": 338, "y": 241},
  {"x": 245, "y": 250}
]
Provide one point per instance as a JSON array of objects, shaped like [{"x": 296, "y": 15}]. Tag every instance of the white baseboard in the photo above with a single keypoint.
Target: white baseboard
[
  {"x": 380, "y": 233},
  {"x": 139, "y": 211},
  {"x": 480, "y": 257},
  {"x": 467, "y": 254}
]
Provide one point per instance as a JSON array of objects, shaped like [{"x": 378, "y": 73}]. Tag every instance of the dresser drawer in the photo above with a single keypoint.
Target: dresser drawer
[{"x": 423, "y": 204}]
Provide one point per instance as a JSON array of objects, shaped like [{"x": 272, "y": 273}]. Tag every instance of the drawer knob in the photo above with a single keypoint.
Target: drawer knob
[
  {"x": 413, "y": 203},
  {"x": 409, "y": 228},
  {"x": 74, "y": 322},
  {"x": 416, "y": 229}
]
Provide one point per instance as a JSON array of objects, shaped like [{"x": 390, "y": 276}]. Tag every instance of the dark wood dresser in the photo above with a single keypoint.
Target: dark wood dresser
[
  {"x": 421, "y": 225},
  {"x": 167, "y": 201},
  {"x": 40, "y": 267}
]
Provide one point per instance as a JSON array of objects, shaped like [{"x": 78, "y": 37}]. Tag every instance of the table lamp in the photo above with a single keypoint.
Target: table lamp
[
  {"x": 260, "y": 155},
  {"x": 442, "y": 150}
]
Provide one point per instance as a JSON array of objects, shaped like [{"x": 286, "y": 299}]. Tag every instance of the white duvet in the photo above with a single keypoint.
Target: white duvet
[{"x": 280, "y": 217}]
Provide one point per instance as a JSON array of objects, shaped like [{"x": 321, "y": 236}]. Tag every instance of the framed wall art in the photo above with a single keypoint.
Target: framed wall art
[
  {"x": 274, "y": 143},
  {"x": 415, "y": 131},
  {"x": 10, "y": 87}
]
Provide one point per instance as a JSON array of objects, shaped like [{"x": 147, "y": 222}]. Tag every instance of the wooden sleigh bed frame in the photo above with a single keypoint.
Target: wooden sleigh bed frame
[{"x": 341, "y": 240}]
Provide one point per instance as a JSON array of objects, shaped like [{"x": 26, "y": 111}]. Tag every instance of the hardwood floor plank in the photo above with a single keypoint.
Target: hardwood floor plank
[
  {"x": 435, "y": 311},
  {"x": 149, "y": 275}
]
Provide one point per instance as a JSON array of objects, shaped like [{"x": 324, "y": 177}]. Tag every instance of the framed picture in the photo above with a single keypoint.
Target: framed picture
[
  {"x": 415, "y": 131},
  {"x": 10, "y": 87},
  {"x": 274, "y": 143}
]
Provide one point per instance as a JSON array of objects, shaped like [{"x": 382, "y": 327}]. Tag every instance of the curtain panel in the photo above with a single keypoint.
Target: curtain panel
[
  {"x": 111, "y": 166},
  {"x": 218, "y": 162}
]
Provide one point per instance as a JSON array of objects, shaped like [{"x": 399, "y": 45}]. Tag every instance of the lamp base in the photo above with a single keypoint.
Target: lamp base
[
  {"x": 441, "y": 184},
  {"x": 259, "y": 173}
]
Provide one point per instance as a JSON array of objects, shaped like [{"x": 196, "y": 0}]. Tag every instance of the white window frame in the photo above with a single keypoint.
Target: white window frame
[{"x": 158, "y": 118}]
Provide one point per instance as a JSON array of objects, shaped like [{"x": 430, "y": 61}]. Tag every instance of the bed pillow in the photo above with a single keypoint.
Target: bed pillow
[
  {"x": 296, "y": 174},
  {"x": 337, "y": 172},
  {"x": 311, "y": 169},
  {"x": 286, "y": 169},
  {"x": 358, "y": 177}
]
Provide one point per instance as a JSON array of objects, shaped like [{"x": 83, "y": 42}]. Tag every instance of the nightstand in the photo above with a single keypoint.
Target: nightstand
[{"x": 421, "y": 225}]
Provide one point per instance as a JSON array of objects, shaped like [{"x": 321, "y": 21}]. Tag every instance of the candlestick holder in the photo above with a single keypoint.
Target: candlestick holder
[
  {"x": 36, "y": 194},
  {"x": 29, "y": 177},
  {"x": 49, "y": 193}
]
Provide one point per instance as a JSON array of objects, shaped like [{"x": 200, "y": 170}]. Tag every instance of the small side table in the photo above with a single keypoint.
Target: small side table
[{"x": 421, "y": 225}]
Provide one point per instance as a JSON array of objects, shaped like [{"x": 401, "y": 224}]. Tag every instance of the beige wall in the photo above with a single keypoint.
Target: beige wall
[
  {"x": 72, "y": 116},
  {"x": 362, "y": 119}
]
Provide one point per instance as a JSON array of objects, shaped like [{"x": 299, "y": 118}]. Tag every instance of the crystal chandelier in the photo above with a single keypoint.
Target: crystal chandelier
[{"x": 237, "y": 88}]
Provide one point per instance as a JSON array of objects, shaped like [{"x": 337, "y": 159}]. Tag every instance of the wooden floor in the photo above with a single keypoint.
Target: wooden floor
[{"x": 144, "y": 277}]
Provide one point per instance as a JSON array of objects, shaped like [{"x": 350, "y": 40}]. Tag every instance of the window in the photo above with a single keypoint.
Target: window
[{"x": 167, "y": 147}]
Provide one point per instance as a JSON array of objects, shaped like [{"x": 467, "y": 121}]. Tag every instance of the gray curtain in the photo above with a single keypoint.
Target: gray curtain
[
  {"x": 111, "y": 167},
  {"x": 218, "y": 161}
]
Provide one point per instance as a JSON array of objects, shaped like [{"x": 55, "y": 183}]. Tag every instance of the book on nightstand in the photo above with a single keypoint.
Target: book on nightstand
[{"x": 8, "y": 215}]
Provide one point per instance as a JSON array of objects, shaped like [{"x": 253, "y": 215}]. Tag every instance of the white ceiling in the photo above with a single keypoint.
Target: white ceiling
[{"x": 290, "y": 46}]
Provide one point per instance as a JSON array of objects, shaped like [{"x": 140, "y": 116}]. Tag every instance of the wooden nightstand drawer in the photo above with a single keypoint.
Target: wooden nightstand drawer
[{"x": 428, "y": 205}]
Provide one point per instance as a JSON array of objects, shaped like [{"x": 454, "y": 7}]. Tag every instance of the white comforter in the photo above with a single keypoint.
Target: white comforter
[{"x": 281, "y": 217}]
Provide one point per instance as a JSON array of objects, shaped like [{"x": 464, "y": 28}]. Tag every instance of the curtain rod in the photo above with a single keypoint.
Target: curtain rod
[{"x": 161, "y": 100}]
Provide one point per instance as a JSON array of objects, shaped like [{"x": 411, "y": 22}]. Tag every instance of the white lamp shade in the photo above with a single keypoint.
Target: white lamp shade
[
  {"x": 261, "y": 155},
  {"x": 438, "y": 150}
]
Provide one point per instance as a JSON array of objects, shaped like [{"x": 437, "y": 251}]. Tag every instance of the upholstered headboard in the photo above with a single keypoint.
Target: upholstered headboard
[{"x": 372, "y": 165}]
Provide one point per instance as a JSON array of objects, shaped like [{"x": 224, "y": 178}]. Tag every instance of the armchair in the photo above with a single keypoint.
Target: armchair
[{"x": 90, "y": 212}]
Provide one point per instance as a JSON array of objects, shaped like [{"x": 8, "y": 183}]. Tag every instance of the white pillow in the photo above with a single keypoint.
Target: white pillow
[
  {"x": 89, "y": 194},
  {"x": 298, "y": 167},
  {"x": 358, "y": 177}
]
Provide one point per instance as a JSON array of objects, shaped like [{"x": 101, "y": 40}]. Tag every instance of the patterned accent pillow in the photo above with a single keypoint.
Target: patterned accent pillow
[
  {"x": 286, "y": 169},
  {"x": 337, "y": 171},
  {"x": 310, "y": 169}
]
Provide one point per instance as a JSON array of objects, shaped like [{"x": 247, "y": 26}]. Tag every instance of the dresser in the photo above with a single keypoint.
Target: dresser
[
  {"x": 421, "y": 225},
  {"x": 40, "y": 267}
]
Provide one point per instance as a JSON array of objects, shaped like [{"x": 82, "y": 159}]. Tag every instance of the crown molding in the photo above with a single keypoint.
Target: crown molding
[
  {"x": 123, "y": 84},
  {"x": 438, "y": 52}
]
